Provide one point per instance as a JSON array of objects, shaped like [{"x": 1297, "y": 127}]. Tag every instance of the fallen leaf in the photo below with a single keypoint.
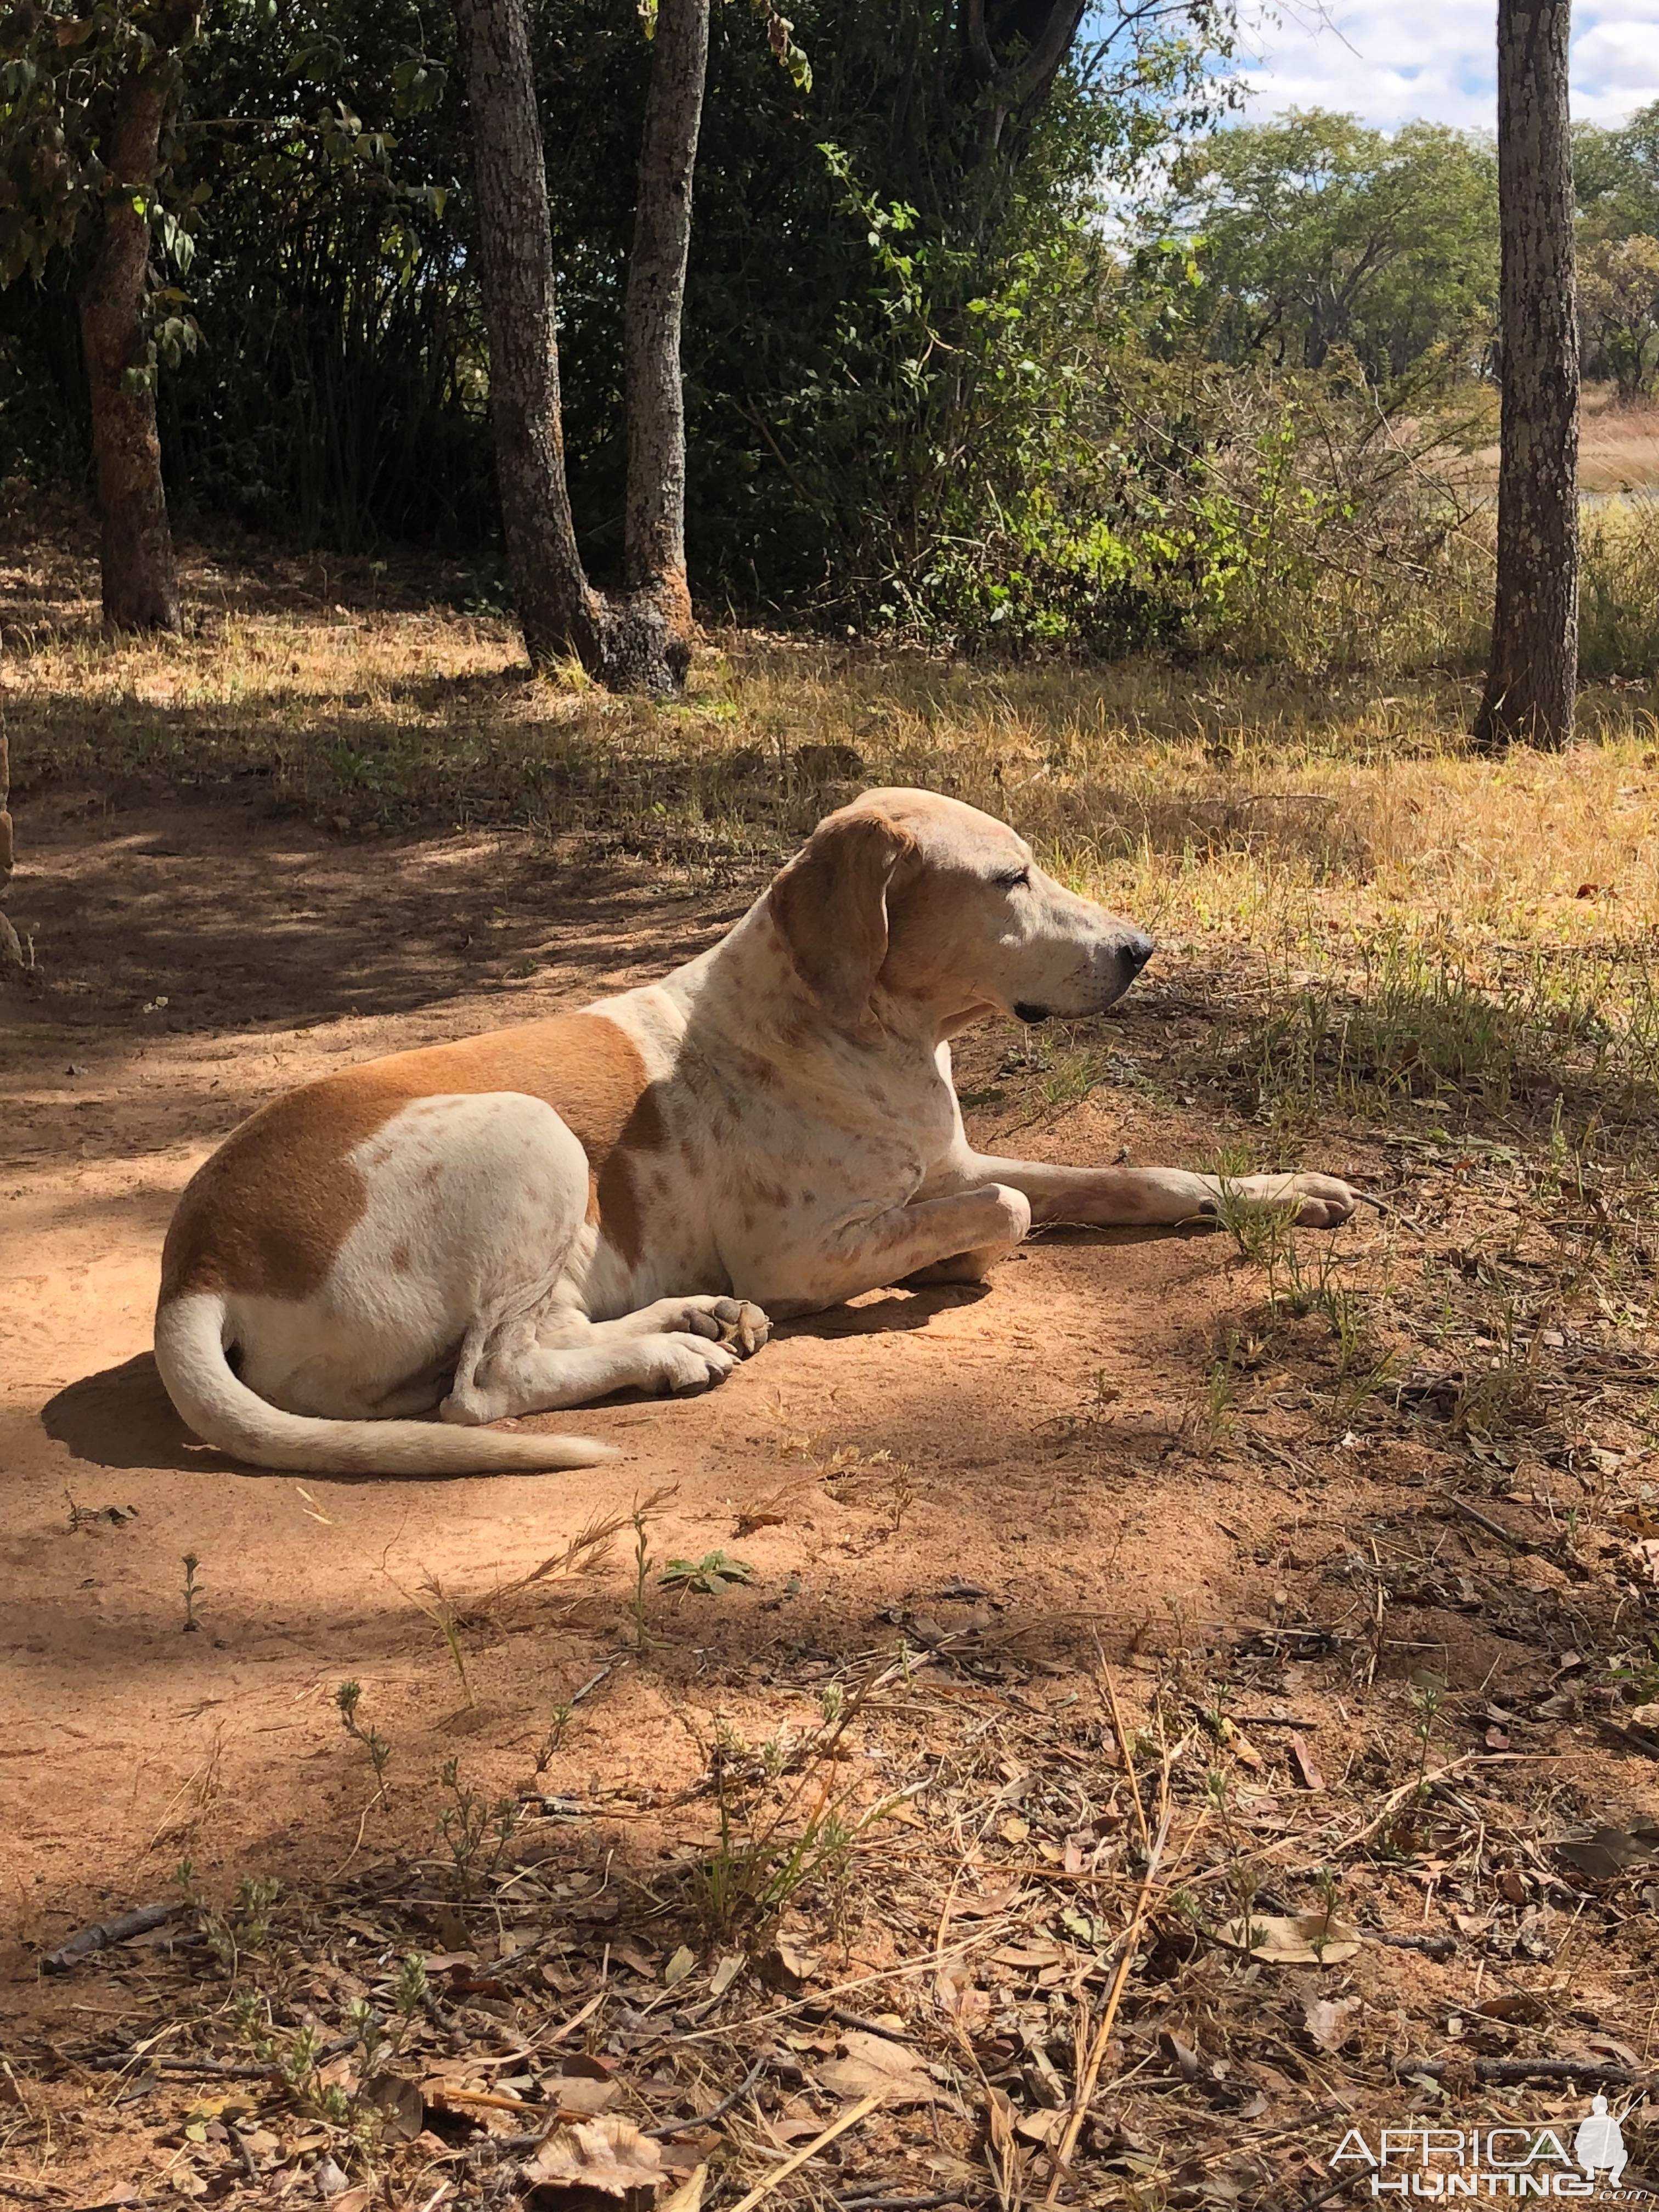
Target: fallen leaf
[
  {"x": 1310, "y": 1938},
  {"x": 1306, "y": 1765},
  {"x": 725, "y": 1973},
  {"x": 874, "y": 2067},
  {"x": 608, "y": 2155},
  {"x": 1521, "y": 2007},
  {"x": 573, "y": 2093},
  {"x": 683, "y": 1963},
  {"x": 1604, "y": 1854},
  {"x": 1329, "y": 2020},
  {"x": 400, "y": 2105}
]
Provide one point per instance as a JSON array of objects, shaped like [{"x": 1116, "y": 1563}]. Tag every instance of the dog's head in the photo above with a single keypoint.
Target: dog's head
[{"x": 941, "y": 910}]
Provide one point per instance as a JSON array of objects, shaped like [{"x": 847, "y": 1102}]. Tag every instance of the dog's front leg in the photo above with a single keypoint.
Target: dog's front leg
[
  {"x": 890, "y": 1247},
  {"x": 1126, "y": 1198}
]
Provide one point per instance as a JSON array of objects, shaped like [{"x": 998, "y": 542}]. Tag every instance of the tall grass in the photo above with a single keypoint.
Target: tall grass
[{"x": 1619, "y": 588}]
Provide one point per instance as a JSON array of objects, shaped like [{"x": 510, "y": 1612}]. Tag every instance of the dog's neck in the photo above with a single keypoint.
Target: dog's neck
[{"x": 747, "y": 985}]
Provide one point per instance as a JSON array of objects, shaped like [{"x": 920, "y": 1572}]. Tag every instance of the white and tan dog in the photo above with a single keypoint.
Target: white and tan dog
[{"x": 620, "y": 1198}]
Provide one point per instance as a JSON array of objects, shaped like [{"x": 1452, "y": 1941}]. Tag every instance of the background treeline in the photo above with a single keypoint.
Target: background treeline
[{"x": 1097, "y": 373}]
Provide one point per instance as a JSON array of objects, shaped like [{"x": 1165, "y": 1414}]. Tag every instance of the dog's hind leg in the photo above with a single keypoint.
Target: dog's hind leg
[{"x": 519, "y": 1374}]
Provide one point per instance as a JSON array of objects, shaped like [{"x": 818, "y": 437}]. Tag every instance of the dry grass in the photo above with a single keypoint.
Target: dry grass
[{"x": 1330, "y": 844}]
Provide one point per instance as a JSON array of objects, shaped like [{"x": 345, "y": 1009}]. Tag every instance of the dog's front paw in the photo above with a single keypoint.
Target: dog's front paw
[
  {"x": 742, "y": 1325},
  {"x": 676, "y": 1363},
  {"x": 1322, "y": 1202}
]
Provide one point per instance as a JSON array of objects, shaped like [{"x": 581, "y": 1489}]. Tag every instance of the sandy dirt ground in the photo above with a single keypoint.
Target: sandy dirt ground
[
  {"x": 1031, "y": 1463},
  {"x": 195, "y": 962}
]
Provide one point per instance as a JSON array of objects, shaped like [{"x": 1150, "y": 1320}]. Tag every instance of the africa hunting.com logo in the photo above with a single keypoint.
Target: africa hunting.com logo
[{"x": 1450, "y": 2164}]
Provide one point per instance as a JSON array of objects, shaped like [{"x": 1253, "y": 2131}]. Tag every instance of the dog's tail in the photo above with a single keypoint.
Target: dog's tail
[{"x": 190, "y": 1351}]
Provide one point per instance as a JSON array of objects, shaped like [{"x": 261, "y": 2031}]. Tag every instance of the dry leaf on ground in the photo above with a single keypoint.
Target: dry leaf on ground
[
  {"x": 400, "y": 2105},
  {"x": 1330, "y": 2020},
  {"x": 609, "y": 2157},
  {"x": 1311, "y": 1939},
  {"x": 873, "y": 2067}
]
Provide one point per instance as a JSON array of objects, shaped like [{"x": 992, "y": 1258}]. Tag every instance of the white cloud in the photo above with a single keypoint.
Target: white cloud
[{"x": 1391, "y": 61}]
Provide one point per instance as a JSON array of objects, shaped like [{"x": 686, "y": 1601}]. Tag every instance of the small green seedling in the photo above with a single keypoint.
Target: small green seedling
[
  {"x": 708, "y": 1575},
  {"x": 558, "y": 1721},
  {"x": 380, "y": 1751},
  {"x": 640, "y": 1520},
  {"x": 193, "y": 1588}
]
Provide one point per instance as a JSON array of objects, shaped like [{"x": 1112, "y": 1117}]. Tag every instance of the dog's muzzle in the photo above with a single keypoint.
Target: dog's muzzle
[{"x": 1134, "y": 953}]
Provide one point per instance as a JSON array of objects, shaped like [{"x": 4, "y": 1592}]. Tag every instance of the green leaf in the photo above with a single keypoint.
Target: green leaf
[{"x": 708, "y": 1575}]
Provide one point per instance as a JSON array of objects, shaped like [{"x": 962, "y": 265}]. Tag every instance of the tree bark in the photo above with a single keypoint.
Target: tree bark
[
  {"x": 643, "y": 640},
  {"x": 654, "y": 523},
  {"x": 559, "y": 612},
  {"x": 1015, "y": 50},
  {"x": 1532, "y": 674},
  {"x": 140, "y": 583},
  {"x": 11, "y": 953}
]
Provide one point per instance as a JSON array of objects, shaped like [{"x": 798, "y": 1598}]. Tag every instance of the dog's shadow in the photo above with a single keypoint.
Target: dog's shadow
[{"x": 122, "y": 1417}]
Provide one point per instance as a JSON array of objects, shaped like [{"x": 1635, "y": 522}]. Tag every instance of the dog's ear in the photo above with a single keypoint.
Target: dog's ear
[{"x": 830, "y": 904}]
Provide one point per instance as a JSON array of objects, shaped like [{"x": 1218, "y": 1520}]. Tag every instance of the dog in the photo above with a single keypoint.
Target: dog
[{"x": 626, "y": 1198}]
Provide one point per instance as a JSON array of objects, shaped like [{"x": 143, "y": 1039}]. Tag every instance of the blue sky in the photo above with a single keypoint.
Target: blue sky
[{"x": 1390, "y": 61}]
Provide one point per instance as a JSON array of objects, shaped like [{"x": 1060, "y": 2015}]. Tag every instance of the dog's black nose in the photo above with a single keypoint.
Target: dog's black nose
[{"x": 1137, "y": 951}]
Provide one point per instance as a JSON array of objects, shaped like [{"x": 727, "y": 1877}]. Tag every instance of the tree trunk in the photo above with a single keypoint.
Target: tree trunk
[
  {"x": 641, "y": 642},
  {"x": 141, "y": 587},
  {"x": 1015, "y": 50},
  {"x": 11, "y": 953},
  {"x": 559, "y": 612},
  {"x": 1531, "y": 675},
  {"x": 654, "y": 526}
]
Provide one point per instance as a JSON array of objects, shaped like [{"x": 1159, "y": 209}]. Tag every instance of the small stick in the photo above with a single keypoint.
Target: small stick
[
  {"x": 1084, "y": 2089},
  {"x": 717, "y": 2113},
  {"x": 849, "y": 2119},
  {"x": 1394, "y": 1213},
  {"x": 1531, "y": 2069},
  {"x": 1128, "y": 1756},
  {"x": 103, "y": 1933},
  {"x": 900, "y": 2204}
]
